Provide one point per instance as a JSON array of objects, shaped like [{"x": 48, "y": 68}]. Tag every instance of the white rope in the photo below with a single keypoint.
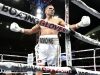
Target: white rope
[
  {"x": 84, "y": 6},
  {"x": 92, "y": 11},
  {"x": 15, "y": 13},
  {"x": 27, "y": 67},
  {"x": 13, "y": 55},
  {"x": 86, "y": 72},
  {"x": 86, "y": 39},
  {"x": 10, "y": 66}
]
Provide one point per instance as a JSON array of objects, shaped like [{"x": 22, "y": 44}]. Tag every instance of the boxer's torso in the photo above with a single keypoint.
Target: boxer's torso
[{"x": 48, "y": 31}]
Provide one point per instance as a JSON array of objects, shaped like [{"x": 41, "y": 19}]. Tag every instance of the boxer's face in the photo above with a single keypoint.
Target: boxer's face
[{"x": 50, "y": 10}]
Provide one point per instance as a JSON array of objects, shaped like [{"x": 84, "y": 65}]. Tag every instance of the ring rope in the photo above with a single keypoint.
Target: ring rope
[
  {"x": 84, "y": 6},
  {"x": 10, "y": 66},
  {"x": 86, "y": 39},
  {"x": 27, "y": 67},
  {"x": 15, "y": 13},
  {"x": 13, "y": 55}
]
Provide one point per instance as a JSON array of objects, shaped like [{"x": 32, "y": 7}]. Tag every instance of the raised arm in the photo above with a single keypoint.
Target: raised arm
[
  {"x": 16, "y": 28},
  {"x": 85, "y": 21}
]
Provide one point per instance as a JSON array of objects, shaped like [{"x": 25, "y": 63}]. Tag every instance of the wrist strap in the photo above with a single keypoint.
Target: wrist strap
[
  {"x": 22, "y": 30},
  {"x": 77, "y": 26}
]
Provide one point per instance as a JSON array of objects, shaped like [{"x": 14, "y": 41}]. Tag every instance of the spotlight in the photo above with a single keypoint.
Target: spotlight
[
  {"x": 16, "y": 0},
  {"x": 39, "y": 10},
  {"x": 39, "y": 16},
  {"x": 39, "y": 13}
]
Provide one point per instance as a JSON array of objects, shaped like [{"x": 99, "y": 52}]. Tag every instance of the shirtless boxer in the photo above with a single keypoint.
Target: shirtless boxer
[{"x": 48, "y": 44}]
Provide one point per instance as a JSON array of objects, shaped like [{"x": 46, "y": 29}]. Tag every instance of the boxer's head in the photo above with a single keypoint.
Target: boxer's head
[{"x": 49, "y": 10}]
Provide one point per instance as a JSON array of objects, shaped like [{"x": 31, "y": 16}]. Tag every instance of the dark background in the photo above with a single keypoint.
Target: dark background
[{"x": 21, "y": 44}]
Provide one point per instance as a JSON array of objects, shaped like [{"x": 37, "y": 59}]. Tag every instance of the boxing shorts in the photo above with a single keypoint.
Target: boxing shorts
[{"x": 48, "y": 50}]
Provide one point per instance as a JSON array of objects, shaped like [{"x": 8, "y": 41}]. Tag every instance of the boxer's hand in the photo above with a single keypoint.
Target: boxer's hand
[
  {"x": 15, "y": 27},
  {"x": 85, "y": 21}
]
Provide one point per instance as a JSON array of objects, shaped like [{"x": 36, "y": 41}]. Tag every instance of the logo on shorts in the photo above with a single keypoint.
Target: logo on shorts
[{"x": 39, "y": 61}]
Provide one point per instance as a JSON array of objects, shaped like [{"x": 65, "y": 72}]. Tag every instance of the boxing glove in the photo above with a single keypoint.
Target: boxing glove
[
  {"x": 15, "y": 27},
  {"x": 85, "y": 21}
]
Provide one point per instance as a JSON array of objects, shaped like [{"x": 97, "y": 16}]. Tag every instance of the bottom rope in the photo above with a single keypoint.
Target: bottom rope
[{"x": 18, "y": 67}]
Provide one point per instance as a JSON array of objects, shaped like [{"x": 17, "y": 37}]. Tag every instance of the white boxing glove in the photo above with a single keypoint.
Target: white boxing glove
[
  {"x": 85, "y": 21},
  {"x": 15, "y": 27}
]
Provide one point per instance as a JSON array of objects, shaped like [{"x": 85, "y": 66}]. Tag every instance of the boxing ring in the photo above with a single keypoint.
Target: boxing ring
[
  {"x": 22, "y": 67},
  {"x": 12, "y": 66}
]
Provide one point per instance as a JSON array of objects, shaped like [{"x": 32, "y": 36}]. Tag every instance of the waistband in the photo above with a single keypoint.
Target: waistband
[
  {"x": 48, "y": 36},
  {"x": 48, "y": 39}
]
